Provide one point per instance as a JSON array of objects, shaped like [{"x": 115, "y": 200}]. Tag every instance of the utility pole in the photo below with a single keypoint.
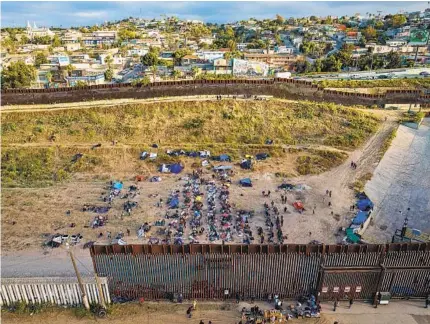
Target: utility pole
[{"x": 78, "y": 275}]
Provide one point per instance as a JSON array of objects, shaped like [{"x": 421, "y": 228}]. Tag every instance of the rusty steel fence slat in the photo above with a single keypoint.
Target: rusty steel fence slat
[{"x": 205, "y": 271}]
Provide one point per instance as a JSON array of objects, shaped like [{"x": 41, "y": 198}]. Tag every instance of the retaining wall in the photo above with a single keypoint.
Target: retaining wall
[
  {"x": 281, "y": 88},
  {"x": 60, "y": 291}
]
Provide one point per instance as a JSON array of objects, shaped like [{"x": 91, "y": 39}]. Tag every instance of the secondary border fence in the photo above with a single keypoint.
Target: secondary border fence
[
  {"x": 278, "y": 87},
  {"x": 205, "y": 271},
  {"x": 54, "y": 290}
]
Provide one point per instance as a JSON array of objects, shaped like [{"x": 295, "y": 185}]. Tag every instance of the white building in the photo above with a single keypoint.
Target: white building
[
  {"x": 38, "y": 32},
  {"x": 210, "y": 55}
]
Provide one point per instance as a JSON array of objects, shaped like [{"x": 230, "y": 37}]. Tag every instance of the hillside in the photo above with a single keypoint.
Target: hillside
[{"x": 30, "y": 155}]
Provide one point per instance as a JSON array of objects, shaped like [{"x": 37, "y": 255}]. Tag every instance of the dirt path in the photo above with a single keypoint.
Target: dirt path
[
  {"x": 112, "y": 103},
  {"x": 397, "y": 312}
]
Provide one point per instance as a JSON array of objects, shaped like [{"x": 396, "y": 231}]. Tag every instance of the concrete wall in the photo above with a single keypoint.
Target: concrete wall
[{"x": 281, "y": 88}]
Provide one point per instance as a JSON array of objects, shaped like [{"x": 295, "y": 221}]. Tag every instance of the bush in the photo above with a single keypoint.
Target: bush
[{"x": 195, "y": 123}]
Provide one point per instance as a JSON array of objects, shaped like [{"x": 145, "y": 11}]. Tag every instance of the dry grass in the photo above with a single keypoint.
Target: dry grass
[
  {"x": 232, "y": 127},
  {"x": 173, "y": 123}
]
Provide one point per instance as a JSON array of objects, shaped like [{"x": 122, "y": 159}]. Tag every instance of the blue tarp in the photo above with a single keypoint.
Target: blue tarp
[
  {"x": 174, "y": 203},
  {"x": 246, "y": 164},
  {"x": 117, "y": 185},
  {"x": 224, "y": 157},
  {"x": 176, "y": 168},
  {"x": 360, "y": 218},
  {"x": 365, "y": 204},
  {"x": 246, "y": 182}
]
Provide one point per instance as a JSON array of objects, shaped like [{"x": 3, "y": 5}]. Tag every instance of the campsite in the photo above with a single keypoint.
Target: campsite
[{"x": 203, "y": 176}]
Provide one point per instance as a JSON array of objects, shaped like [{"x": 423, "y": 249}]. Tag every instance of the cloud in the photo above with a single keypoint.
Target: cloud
[
  {"x": 74, "y": 13},
  {"x": 90, "y": 14}
]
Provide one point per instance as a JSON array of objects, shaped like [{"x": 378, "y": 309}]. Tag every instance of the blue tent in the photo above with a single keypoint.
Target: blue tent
[
  {"x": 176, "y": 168},
  {"x": 246, "y": 164},
  {"x": 117, "y": 185},
  {"x": 246, "y": 182},
  {"x": 360, "y": 218},
  {"x": 365, "y": 204},
  {"x": 224, "y": 157},
  {"x": 174, "y": 203}
]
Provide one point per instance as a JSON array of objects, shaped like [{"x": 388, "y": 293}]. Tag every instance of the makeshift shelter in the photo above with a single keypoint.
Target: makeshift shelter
[
  {"x": 152, "y": 156},
  {"x": 144, "y": 155},
  {"x": 224, "y": 158},
  {"x": 286, "y": 186},
  {"x": 298, "y": 206},
  {"x": 174, "y": 203},
  {"x": 246, "y": 164},
  {"x": 140, "y": 178},
  {"x": 365, "y": 204},
  {"x": 223, "y": 168},
  {"x": 246, "y": 182},
  {"x": 351, "y": 236},
  {"x": 176, "y": 168},
  {"x": 164, "y": 168},
  {"x": 117, "y": 185},
  {"x": 360, "y": 218},
  {"x": 261, "y": 156}
]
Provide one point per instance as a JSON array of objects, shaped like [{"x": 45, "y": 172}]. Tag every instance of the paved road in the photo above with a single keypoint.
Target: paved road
[{"x": 56, "y": 263}]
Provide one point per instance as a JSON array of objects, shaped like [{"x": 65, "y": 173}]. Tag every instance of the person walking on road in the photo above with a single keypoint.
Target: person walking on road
[
  {"x": 335, "y": 305},
  {"x": 351, "y": 301}
]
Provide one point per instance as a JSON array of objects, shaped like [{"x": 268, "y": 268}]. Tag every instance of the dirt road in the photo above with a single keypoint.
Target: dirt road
[{"x": 404, "y": 312}]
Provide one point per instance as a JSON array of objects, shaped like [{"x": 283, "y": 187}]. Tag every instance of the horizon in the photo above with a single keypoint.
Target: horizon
[{"x": 77, "y": 14}]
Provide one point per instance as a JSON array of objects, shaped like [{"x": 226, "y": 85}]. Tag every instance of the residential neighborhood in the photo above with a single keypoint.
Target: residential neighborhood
[{"x": 136, "y": 50}]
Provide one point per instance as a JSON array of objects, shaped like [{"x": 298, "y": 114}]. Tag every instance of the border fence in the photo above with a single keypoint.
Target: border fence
[
  {"x": 277, "y": 87},
  {"x": 205, "y": 271},
  {"x": 56, "y": 290}
]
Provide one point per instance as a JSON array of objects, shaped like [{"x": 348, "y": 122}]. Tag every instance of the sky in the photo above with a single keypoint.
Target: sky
[{"x": 74, "y": 13}]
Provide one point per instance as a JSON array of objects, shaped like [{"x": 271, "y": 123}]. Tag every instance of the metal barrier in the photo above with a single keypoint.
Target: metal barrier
[
  {"x": 60, "y": 291},
  {"x": 205, "y": 270}
]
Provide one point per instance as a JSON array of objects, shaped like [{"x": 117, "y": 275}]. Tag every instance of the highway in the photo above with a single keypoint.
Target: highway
[{"x": 368, "y": 75}]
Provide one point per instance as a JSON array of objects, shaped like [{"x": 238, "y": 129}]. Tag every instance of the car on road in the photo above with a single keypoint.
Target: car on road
[
  {"x": 424, "y": 73},
  {"x": 383, "y": 76}
]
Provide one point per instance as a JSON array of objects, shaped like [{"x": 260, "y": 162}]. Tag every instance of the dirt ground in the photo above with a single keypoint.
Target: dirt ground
[
  {"x": 319, "y": 222},
  {"x": 402, "y": 181},
  {"x": 403, "y": 312}
]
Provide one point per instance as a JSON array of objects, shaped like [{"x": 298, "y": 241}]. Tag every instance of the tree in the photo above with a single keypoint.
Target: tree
[
  {"x": 126, "y": 34},
  {"x": 231, "y": 44},
  {"x": 18, "y": 75},
  {"x": 48, "y": 77},
  {"x": 69, "y": 69},
  {"x": 318, "y": 65},
  {"x": 80, "y": 83},
  {"x": 109, "y": 61},
  {"x": 194, "y": 71},
  {"x": 176, "y": 74},
  {"x": 280, "y": 20},
  {"x": 24, "y": 40},
  {"x": 179, "y": 54},
  {"x": 56, "y": 41},
  {"x": 394, "y": 60},
  {"x": 109, "y": 74},
  {"x": 40, "y": 59},
  {"x": 379, "y": 25},
  {"x": 141, "y": 82},
  {"x": 154, "y": 72},
  {"x": 150, "y": 58},
  {"x": 399, "y": 20},
  {"x": 369, "y": 33}
]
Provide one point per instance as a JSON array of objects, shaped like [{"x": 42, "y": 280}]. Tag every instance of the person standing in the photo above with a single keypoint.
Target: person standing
[
  {"x": 351, "y": 301},
  {"x": 427, "y": 301},
  {"x": 335, "y": 305}
]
